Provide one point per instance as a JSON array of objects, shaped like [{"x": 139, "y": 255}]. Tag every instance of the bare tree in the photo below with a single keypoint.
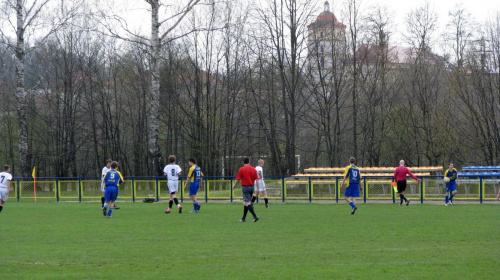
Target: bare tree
[
  {"x": 162, "y": 32},
  {"x": 286, "y": 25},
  {"x": 31, "y": 21}
]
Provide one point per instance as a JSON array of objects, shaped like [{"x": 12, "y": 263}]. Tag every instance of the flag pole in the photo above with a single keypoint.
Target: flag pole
[{"x": 34, "y": 180}]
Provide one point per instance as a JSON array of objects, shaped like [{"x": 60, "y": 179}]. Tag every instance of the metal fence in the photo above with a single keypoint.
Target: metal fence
[{"x": 278, "y": 188}]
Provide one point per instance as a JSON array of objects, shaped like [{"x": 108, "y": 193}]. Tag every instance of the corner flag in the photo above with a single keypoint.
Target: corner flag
[
  {"x": 33, "y": 174},
  {"x": 394, "y": 187}
]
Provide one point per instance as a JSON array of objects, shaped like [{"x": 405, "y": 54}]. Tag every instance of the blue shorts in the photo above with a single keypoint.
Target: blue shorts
[
  {"x": 352, "y": 191},
  {"x": 111, "y": 193},
  {"x": 451, "y": 186},
  {"x": 193, "y": 187}
]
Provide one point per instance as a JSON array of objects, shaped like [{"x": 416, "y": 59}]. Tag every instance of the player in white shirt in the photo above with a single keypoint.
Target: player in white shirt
[
  {"x": 262, "y": 185},
  {"x": 5, "y": 178},
  {"x": 172, "y": 171},
  {"x": 103, "y": 173}
]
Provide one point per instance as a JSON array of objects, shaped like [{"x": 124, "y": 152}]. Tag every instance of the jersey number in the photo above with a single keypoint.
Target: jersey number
[
  {"x": 198, "y": 174},
  {"x": 112, "y": 176},
  {"x": 173, "y": 172},
  {"x": 355, "y": 174},
  {"x": 3, "y": 178}
]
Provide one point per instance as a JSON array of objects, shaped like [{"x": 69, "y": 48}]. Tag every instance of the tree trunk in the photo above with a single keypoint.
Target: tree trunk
[
  {"x": 22, "y": 102},
  {"x": 154, "y": 101}
]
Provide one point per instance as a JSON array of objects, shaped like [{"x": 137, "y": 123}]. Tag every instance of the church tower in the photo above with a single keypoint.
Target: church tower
[{"x": 326, "y": 40}]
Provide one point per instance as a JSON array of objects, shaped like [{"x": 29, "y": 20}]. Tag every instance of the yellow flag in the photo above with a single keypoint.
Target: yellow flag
[{"x": 34, "y": 172}]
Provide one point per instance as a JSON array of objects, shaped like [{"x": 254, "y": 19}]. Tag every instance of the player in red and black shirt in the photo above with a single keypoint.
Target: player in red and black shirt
[{"x": 247, "y": 175}]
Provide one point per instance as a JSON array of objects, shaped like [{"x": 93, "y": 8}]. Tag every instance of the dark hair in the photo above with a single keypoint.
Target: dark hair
[
  {"x": 352, "y": 160},
  {"x": 109, "y": 160},
  {"x": 171, "y": 159},
  {"x": 6, "y": 167},
  {"x": 246, "y": 160},
  {"x": 192, "y": 160},
  {"x": 114, "y": 164}
]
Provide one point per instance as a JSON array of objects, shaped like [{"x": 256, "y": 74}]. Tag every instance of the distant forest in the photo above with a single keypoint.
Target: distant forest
[{"x": 217, "y": 81}]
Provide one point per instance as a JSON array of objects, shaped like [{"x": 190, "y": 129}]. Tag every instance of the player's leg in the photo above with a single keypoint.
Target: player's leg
[
  {"x": 102, "y": 197},
  {"x": 107, "y": 198},
  {"x": 264, "y": 195},
  {"x": 176, "y": 201},
  {"x": 110, "y": 209},
  {"x": 247, "y": 194},
  {"x": 446, "y": 198},
  {"x": 170, "y": 202},
  {"x": 453, "y": 191},
  {"x": 1, "y": 204},
  {"x": 192, "y": 195},
  {"x": 401, "y": 191},
  {"x": 112, "y": 198},
  {"x": 193, "y": 190}
]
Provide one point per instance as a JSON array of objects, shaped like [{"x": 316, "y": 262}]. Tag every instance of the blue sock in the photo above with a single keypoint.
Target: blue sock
[
  {"x": 197, "y": 206},
  {"x": 352, "y": 204},
  {"x": 110, "y": 211},
  {"x": 194, "y": 206},
  {"x": 451, "y": 197},
  {"x": 446, "y": 199}
]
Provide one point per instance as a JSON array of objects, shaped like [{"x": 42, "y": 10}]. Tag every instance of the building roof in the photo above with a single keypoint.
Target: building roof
[
  {"x": 326, "y": 19},
  {"x": 395, "y": 54}
]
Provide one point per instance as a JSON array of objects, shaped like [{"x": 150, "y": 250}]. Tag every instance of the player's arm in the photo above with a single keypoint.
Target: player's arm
[
  {"x": 345, "y": 176},
  {"x": 104, "y": 179},
  {"x": 8, "y": 187},
  {"x": 236, "y": 182},
  {"x": 413, "y": 176},
  {"x": 120, "y": 180},
  {"x": 188, "y": 179},
  {"x": 202, "y": 182},
  {"x": 258, "y": 182},
  {"x": 360, "y": 185}
]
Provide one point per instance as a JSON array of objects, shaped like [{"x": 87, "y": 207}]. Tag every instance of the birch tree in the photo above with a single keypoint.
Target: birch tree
[
  {"x": 33, "y": 19},
  {"x": 163, "y": 31}
]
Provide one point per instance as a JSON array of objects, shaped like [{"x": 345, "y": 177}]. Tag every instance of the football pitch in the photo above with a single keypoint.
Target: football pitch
[{"x": 290, "y": 241}]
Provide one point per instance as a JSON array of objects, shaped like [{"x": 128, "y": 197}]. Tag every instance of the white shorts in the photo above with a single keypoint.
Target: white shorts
[
  {"x": 3, "y": 195},
  {"x": 262, "y": 186},
  {"x": 173, "y": 186},
  {"x": 103, "y": 187}
]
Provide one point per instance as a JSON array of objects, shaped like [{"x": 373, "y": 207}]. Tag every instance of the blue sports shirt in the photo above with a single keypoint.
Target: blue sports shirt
[
  {"x": 352, "y": 173},
  {"x": 452, "y": 174},
  {"x": 194, "y": 173},
  {"x": 113, "y": 178}
]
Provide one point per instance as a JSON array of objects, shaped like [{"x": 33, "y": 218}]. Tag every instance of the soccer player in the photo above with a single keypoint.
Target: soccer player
[
  {"x": 172, "y": 171},
  {"x": 5, "y": 178},
  {"x": 263, "y": 191},
  {"x": 451, "y": 186},
  {"x": 400, "y": 178},
  {"x": 112, "y": 179},
  {"x": 353, "y": 188},
  {"x": 193, "y": 181},
  {"x": 103, "y": 172},
  {"x": 247, "y": 175}
]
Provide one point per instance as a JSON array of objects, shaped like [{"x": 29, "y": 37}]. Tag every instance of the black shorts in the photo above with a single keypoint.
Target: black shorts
[{"x": 401, "y": 186}]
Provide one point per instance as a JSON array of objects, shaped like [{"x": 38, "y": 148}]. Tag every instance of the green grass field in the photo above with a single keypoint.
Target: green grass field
[{"x": 290, "y": 241}]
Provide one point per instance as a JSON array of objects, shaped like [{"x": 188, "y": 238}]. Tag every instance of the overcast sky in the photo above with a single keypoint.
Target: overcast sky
[{"x": 480, "y": 10}]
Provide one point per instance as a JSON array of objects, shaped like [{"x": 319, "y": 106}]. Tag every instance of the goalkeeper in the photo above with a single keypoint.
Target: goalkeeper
[{"x": 451, "y": 186}]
